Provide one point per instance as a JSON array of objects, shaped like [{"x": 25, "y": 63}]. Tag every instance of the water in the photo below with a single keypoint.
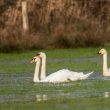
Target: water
[
  {"x": 17, "y": 90},
  {"x": 25, "y": 81}
]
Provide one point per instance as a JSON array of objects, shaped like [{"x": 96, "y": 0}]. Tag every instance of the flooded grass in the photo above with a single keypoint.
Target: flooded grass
[{"x": 18, "y": 92}]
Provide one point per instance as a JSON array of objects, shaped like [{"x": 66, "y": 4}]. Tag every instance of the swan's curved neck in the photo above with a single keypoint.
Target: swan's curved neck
[
  {"x": 43, "y": 68},
  {"x": 36, "y": 73},
  {"x": 105, "y": 67}
]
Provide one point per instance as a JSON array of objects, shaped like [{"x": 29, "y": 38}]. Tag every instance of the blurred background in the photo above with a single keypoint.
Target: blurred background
[{"x": 54, "y": 24}]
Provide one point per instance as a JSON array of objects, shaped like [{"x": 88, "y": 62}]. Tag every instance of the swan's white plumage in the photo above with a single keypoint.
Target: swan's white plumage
[
  {"x": 106, "y": 70},
  {"x": 65, "y": 75},
  {"x": 59, "y": 76}
]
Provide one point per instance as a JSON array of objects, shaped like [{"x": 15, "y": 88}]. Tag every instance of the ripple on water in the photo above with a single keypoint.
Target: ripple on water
[
  {"x": 15, "y": 79},
  {"x": 25, "y": 79},
  {"x": 45, "y": 97},
  {"x": 71, "y": 95}
]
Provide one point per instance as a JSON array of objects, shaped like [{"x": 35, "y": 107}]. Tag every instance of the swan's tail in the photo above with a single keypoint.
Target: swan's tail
[{"x": 85, "y": 76}]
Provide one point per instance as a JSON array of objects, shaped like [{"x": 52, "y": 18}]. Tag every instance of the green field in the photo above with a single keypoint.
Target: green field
[{"x": 18, "y": 92}]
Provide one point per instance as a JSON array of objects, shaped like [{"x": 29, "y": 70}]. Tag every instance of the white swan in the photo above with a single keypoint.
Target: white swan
[
  {"x": 59, "y": 76},
  {"x": 106, "y": 71},
  {"x": 36, "y": 73}
]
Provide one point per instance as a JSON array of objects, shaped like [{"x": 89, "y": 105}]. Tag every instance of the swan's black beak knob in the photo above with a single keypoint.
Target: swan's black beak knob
[
  {"x": 38, "y": 55},
  {"x": 98, "y": 53}
]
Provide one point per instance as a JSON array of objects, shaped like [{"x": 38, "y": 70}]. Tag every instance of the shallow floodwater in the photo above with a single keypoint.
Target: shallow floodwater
[
  {"x": 18, "y": 89},
  {"x": 25, "y": 80}
]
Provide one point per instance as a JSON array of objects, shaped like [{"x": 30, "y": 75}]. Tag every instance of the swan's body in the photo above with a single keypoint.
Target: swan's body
[
  {"x": 59, "y": 76},
  {"x": 106, "y": 70},
  {"x": 65, "y": 75}
]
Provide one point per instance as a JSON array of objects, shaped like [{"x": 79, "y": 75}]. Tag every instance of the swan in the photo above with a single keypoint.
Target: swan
[
  {"x": 59, "y": 76},
  {"x": 36, "y": 73},
  {"x": 106, "y": 70}
]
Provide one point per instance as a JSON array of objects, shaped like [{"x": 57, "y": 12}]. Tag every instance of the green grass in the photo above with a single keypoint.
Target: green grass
[
  {"x": 18, "y": 92},
  {"x": 19, "y": 62}
]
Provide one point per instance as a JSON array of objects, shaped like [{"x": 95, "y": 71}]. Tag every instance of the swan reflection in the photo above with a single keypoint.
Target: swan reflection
[
  {"x": 106, "y": 94},
  {"x": 41, "y": 97},
  {"x": 44, "y": 97}
]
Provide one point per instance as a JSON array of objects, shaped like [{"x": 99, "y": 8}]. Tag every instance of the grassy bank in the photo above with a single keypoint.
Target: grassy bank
[{"x": 56, "y": 59}]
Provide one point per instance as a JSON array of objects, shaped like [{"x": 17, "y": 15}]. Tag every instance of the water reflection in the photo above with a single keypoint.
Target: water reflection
[
  {"x": 41, "y": 97},
  {"x": 45, "y": 97},
  {"x": 106, "y": 94},
  {"x": 16, "y": 79},
  {"x": 50, "y": 96},
  {"x": 22, "y": 83}
]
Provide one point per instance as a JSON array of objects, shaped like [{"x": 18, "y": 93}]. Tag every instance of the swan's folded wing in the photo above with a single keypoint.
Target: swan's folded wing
[
  {"x": 65, "y": 75},
  {"x": 79, "y": 76},
  {"x": 58, "y": 76},
  {"x": 85, "y": 76}
]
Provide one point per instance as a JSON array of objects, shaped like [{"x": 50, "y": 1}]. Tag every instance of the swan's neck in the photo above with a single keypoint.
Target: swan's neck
[
  {"x": 36, "y": 73},
  {"x": 105, "y": 67},
  {"x": 43, "y": 68}
]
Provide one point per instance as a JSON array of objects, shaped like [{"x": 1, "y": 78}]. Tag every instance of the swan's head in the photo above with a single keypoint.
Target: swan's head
[
  {"x": 41, "y": 55},
  {"x": 102, "y": 51},
  {"x": 35, "y": 59}
]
